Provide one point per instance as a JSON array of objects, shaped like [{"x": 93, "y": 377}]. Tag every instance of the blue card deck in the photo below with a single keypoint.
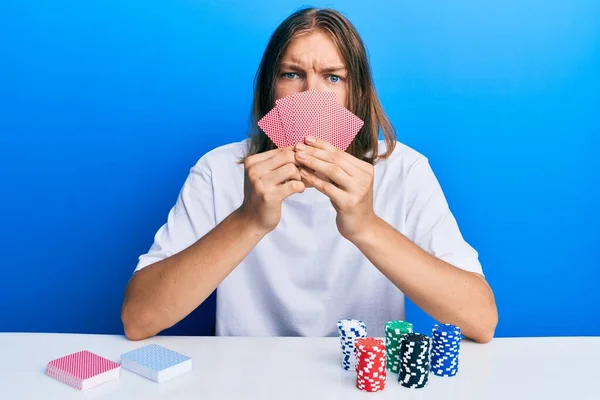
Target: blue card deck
[{"x": 156, "y": 362}]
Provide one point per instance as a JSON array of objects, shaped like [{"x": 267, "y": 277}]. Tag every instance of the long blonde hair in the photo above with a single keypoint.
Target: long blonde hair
[{"x": 362, "y": 98}]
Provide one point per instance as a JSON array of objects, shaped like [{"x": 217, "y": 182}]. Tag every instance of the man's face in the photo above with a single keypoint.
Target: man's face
[{"x": 312, "y": 62}]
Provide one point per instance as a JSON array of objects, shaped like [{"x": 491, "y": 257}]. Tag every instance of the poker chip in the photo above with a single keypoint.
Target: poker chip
[
  {"x": 446, "y": 340},
  {"x": 393, "y": 336},
  {"x": 349, "y": 331},
  {"x": 415, "y": 352},
  {"x": 370, "y": 364}
]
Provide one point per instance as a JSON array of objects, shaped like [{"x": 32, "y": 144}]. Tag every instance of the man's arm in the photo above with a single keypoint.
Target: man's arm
[
  {"x": 447, "y": 293},
  {"x": 160, "y": 295}
]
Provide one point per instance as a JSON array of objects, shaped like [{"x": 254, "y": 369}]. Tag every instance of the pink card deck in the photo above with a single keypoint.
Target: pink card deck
[{"x": 83, "y": 370}]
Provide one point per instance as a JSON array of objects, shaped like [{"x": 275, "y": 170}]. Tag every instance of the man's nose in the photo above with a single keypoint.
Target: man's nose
[{"x": 313, "y": 82}]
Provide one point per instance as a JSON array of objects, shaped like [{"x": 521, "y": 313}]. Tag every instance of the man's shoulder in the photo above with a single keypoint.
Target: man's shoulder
[
  {"x": 402, "y": 160},
  {"x": 223, "y": 157}
]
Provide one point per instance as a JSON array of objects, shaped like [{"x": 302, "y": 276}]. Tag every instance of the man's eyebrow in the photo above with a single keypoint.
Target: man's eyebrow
[
  {"x": 291, "y": 66},
  {"x": 335, "y": 68},
  {"x": 296, "y": 67}
]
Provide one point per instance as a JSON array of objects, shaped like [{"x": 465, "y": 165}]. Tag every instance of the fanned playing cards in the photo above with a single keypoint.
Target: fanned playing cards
[
  {"x": 310, "y": 113},
  {"x": 156, "y": 362},
  {"x": 83, "y": 370}
]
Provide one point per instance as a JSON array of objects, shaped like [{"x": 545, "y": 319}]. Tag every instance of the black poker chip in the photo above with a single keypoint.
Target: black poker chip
[{"x": 415, "y": 354}]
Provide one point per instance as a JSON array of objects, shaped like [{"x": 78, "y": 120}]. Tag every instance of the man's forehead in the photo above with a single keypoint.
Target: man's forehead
[
  {"x": 296, "y": 60},
  {"x": 303, "y": 50}
]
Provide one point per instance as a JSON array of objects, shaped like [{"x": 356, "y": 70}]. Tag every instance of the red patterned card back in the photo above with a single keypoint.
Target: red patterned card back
[
  {"x": 309, "y": 105},
  {"x": 273, "y": 128},
  {"x": 285, "y": 108},
  {"x": 82, "y": 365},
  {"x": 336, "y": 125}
]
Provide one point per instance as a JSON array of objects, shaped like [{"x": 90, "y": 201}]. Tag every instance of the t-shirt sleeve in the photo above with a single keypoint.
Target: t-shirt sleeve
[
  {"x": 431, "y": 225},
  {"x": 192, "y": 217}
]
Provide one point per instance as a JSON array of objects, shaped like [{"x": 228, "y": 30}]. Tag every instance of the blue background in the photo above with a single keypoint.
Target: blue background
[{"x": 105, "y": 105}]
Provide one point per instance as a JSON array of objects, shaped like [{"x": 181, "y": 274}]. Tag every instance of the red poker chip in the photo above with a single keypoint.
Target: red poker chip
[
  {"x": 367, "y": 368},
  {"x": 378, "y": 388},
  {"x": 367, "y": 385},
  {"x": 373, "y": 380},
  {"x": 375, "y": 384},
  {"x": 371, "y": 374},
  {"x": 381, "y": 382},
  {"x": 371, "y": 361},
  {"x": 366, "y": 357},
  {"x": 370, "y": 371},
  {"x": 366, "y": 362},
  {"x": 374, "y": 375},
  {"x": 370, "y": 344}
]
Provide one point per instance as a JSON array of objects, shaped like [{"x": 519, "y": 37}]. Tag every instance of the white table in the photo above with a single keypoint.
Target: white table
[{"x": 303, "y": 368}]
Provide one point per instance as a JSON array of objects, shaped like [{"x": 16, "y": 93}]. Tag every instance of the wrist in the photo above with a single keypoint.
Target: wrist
[
  {"x": 248, "y": 225},
  {"x": 368, "y": 233}
]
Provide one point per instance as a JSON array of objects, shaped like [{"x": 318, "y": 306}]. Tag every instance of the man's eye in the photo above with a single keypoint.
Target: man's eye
[
  {"x": 335, "y": 78},
  {"x": 289, "y": 75}
]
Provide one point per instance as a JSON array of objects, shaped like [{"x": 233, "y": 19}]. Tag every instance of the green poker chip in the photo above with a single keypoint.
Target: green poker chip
[{"x": 394, "y": 331}]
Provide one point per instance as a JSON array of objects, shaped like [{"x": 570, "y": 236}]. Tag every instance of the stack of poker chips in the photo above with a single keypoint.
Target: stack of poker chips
[
  {"x": 446, "y": 346},
  {"x": 370, "y": 364},
  {"x": 349, "y": 330},
  {"x": 415, "y": 352},
  {"x": 393, "y": 336}
]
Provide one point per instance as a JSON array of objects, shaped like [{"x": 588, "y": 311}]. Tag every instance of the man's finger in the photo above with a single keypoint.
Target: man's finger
[
  {"x": 286, "y": 156},
  {"x": 327, "y": 188},
  {"x": 326, "y": 169},
  {"x": 335, "y": 156},
  {"x": 323, "y": 145},
  {"x": 256, "y": 158},
  {"x": 289, "y": 188},
  {"x": 281, "y": 175}
]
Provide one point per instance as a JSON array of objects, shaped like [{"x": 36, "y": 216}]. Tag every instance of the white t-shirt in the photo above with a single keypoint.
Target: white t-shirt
[{"x": 304, "y": 276}]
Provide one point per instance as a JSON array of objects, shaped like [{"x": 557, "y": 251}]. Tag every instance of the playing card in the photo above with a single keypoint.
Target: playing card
[
  {"x": 310, "y": 113},
  {"x": 273, "y": 128},
  {"x": 336, "y": 125},
  {"x": 308, "y": 109},
  {"x": 285, "y": 108},
  {"x": 156, "y": 362},
  {"x": 83, "y": 370}
]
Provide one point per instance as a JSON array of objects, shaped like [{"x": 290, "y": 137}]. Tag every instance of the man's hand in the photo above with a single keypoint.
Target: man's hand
[
  {"x": 269, "y": 178},
  {"x": 346, "y": 180}
]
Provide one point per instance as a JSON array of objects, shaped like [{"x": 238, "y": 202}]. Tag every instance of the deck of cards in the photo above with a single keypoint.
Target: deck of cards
[
  {"x": 83, "y": 370},
  {"x": 156, "y": 362},
  {"x": 310, "y": 113}
]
